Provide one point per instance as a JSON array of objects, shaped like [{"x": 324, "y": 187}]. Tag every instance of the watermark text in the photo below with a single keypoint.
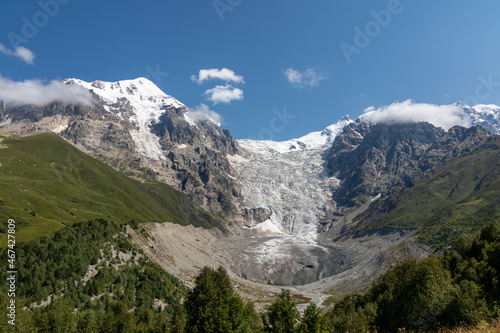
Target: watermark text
[{"x": 12, "y": 272}]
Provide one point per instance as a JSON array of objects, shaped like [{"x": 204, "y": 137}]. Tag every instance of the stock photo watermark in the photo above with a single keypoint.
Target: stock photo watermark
[
  {"x": 223, "y": 6},
  {"x": 483, "y": 91},
  {"x": 364, "y": 36},
  {"x": 156, "y": 74},
  {"x": 31, "y": 26},
  {"x": 277, "y": 124},
  {"x": 11, "y": 272}
]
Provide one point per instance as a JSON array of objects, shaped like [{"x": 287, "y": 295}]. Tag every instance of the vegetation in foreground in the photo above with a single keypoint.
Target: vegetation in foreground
[
  {"x": 88, "y": 278},
  {"x": 57, "y": 292},
  {"x": 460, "y": 289}
]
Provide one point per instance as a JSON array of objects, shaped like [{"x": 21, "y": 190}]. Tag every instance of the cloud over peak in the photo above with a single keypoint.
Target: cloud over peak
[
  {"x": 215, "y": 73},
  {"x": 19, "y": 52},
  {"x": 224, "y": 94},
  {"x": 37, "y": 93},
  {"x": 444, "y": 116},
  {"x": 203, "y": 113},
  {"x": 308, "y": 79}
]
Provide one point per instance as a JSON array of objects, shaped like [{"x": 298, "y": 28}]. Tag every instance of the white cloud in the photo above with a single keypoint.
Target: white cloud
[
  {"x": 20, "y": 52},
  {"x": 293, "y": 76},
  {"x": 37, "y": 93},
  {"x": 215, "y": 73},
  {"x": 203, "y": 113},
  {"x": 444, "y": 116},
  {"x": 308, "y": 79},
  {"x": 224, "y": 94}
]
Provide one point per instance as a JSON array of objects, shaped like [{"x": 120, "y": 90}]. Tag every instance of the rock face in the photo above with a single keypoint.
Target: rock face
[
  {"x": 2, "y": 117},
  {"x": 450, "y": 202},
  {"x": 374, "y": 160},
  {"x": 134, "y": 127},
  {"x": 255, "y": 215},
  {"x": 197, "y": 159}
]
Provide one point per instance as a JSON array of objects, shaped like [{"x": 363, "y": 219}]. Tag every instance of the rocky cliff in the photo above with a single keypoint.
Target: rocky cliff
[
  {"x": 379, "y": 159},
  {"x": 136, "y": 128}
]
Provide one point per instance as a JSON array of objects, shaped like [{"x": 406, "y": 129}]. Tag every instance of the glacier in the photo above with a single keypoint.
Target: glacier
[{"x": 290, "y": 179}]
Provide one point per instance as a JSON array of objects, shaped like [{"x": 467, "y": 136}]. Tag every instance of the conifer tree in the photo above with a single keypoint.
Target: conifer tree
[
  {"x": 282, "y": 315},
  {"x": 314, "y": 320},
  {"x": 213, "y": 306}
]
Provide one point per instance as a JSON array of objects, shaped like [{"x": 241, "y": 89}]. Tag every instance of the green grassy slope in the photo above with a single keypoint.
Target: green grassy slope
[
  {"x": 46, "y": 184},
  {"x": 458, "y": 198}
]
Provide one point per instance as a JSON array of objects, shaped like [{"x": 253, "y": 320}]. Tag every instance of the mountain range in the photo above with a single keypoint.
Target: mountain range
[
  {"x": 134, "y": 127},
  {"x": 320, "y": 211}
]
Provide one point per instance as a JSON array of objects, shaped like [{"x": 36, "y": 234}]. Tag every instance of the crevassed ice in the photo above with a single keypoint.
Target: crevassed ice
[{"x": 291, "y": 181}]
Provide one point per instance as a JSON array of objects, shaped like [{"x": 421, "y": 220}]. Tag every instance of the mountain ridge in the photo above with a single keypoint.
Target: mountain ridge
[
  {"x": 47, "y": 184},
  {"x": 389, "y": 157},
  {"x": 455, "y": 199},
  {"x": 136, "y": 128}
]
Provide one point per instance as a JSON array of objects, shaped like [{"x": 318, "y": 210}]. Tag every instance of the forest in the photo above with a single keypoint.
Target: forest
[{"x": 89, "y": 278}]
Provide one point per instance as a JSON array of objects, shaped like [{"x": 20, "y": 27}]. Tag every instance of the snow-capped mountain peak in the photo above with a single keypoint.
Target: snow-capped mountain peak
[
  {"x": 319, "y": 140},
  {"x": 488, "y": 109},
  {"x": 323, "y": 139},
  {"x": 143, "y": 105},
  {"x": 147, "y": 103},
  {"x": 140, "y": 91},
  {"x": 486, "y": 115}
]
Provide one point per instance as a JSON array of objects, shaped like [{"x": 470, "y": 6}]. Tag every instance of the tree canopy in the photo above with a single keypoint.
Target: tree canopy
[{"x": 213, "y": 306}]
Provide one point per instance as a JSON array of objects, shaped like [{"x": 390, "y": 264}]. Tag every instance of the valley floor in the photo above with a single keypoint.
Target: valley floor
[{"x": 183, "y": 250}]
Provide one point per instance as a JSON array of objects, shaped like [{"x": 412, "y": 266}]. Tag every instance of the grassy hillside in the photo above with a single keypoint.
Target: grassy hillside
[
  {"x": 458, "y": 198},
  {"x": 46, "y": 184}
]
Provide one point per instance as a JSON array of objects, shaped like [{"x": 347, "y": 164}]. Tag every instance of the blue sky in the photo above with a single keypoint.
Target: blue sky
[{"x": 430, "y": 51}]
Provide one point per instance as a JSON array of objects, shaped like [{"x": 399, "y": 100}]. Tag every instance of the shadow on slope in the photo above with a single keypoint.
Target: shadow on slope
[
  {"x": 46, "y": 184},
  {"x": 457, "y": 198}
]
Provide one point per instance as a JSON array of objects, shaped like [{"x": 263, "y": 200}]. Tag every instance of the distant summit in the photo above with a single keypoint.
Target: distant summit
[{"x": 314, "y": 140}]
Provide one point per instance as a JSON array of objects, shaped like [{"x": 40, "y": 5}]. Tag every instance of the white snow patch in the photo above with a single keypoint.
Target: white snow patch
[
  {"x": 6, "y": 122},
  {"x": 490, "y": 109},
  {"x": 147, "y": 101},
  {"x": 271, "y": 225},
  {"x": 147, "y": 145},
  {"x": 59, "y": 128},
  {"x": 189, "y": 120},
  {"x": 486, "y": 115},
  {"x": 268, "y": 225},
  {"x": 236, "y": 159},
  {"x": 314, "y": 140}
]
